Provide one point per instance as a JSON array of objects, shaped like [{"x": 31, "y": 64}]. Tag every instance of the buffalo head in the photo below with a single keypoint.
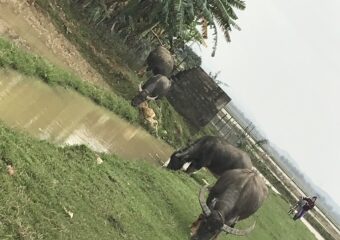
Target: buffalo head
[
  {"x": 142, "y": 96},
  {"x": 155, "y": 87},
  {"x": 177, "y": 160},
  {"x": 212, "y": 223}
]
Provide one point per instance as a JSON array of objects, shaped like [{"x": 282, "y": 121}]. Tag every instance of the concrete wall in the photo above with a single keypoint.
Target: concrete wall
[{"x": 196, "y": 96}]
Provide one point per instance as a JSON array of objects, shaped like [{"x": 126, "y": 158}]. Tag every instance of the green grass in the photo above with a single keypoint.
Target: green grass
[
  {"x": 172, "y": 128},
  {"x": 118, "y": 199}
]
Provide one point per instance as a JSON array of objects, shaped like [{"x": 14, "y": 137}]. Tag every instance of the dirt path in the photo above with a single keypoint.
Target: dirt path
[{"x": 31, "y": 30}]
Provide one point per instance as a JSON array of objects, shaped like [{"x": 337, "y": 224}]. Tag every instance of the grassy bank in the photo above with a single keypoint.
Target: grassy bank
[
  {"x": 32, "y": 65},
  {"x": 172, "y": 127},
  {"x": 118, "y": 199},
  {"x": 116, "y": 62}
]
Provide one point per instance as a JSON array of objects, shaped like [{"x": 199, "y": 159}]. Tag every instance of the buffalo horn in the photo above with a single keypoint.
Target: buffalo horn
[
  {"x": 140, "y": 87},
  {"x": 166, "y": 163},
  {"x": 203, "y": 203},
  {"x": 151, "y": 98},
  {"x": 236, "y": 231}
]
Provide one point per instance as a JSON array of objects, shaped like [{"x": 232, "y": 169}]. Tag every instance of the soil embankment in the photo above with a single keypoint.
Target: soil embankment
[{"x": 31, "y": 30}]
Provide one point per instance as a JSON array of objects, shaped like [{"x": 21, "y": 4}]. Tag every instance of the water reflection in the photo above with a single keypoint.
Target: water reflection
[{"x": 65, "y": 117}]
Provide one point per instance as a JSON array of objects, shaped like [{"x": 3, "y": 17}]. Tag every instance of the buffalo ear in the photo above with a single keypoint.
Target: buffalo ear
[
  {"x": 151, "y": 98},
  {"x": 167, "y": 162}
]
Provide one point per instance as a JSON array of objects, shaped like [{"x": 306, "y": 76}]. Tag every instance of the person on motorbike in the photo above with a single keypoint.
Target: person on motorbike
[{"x": 310, "y": 203}]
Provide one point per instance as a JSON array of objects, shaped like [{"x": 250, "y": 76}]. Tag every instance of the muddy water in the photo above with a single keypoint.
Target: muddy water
[{"x": 65, "y": 117}]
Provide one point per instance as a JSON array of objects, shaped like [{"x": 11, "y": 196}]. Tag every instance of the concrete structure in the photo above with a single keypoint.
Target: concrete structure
[{"x": 196, "y": 96}]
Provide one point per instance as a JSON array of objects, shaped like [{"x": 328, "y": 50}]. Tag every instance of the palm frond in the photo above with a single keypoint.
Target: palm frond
[
  {"x": 230, "y": 11},
  {"x": 225, "y": 27},
  {"x": 165, "y": 12},
  {"x": 202, "y": 10},
  {"x": 179, "y": 11},
  {"x": 223, "y": 19},
  {"x": 213, "y": 26},
  {"x": 224, "y": 10},
  {"x": 190, "y": 12},
  {"x": 177, "y": 20},
  {"x": 239, "y": 4}
]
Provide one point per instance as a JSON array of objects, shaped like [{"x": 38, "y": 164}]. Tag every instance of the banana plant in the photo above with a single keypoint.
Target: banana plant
[{"x": 176, "y": 21}]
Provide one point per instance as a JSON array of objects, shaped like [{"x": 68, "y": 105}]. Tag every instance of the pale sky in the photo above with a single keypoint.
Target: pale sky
[{"x": 283, "y": 70}]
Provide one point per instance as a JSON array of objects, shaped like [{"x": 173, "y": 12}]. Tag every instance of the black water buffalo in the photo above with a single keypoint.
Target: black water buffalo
[
  {"x": 214, "y": 153},
  {"x": 236, "y": 195},
  {"x": 159, "y": 61},
  {"x": 154, "y": 88}
]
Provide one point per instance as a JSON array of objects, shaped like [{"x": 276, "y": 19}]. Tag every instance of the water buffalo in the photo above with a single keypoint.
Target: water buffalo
[
  {"x": 236, "y": 195},
  {"x": 212, "y": 152},
  {"x": 154, "y": 88},
  {"x": 159, "y": 61}
]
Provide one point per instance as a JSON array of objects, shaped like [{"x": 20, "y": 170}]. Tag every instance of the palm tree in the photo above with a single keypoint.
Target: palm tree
[
  {"x": 225, "y": 15},
  {"x": 180, "y": 15},
  {"x": 177, "y": 20}
]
